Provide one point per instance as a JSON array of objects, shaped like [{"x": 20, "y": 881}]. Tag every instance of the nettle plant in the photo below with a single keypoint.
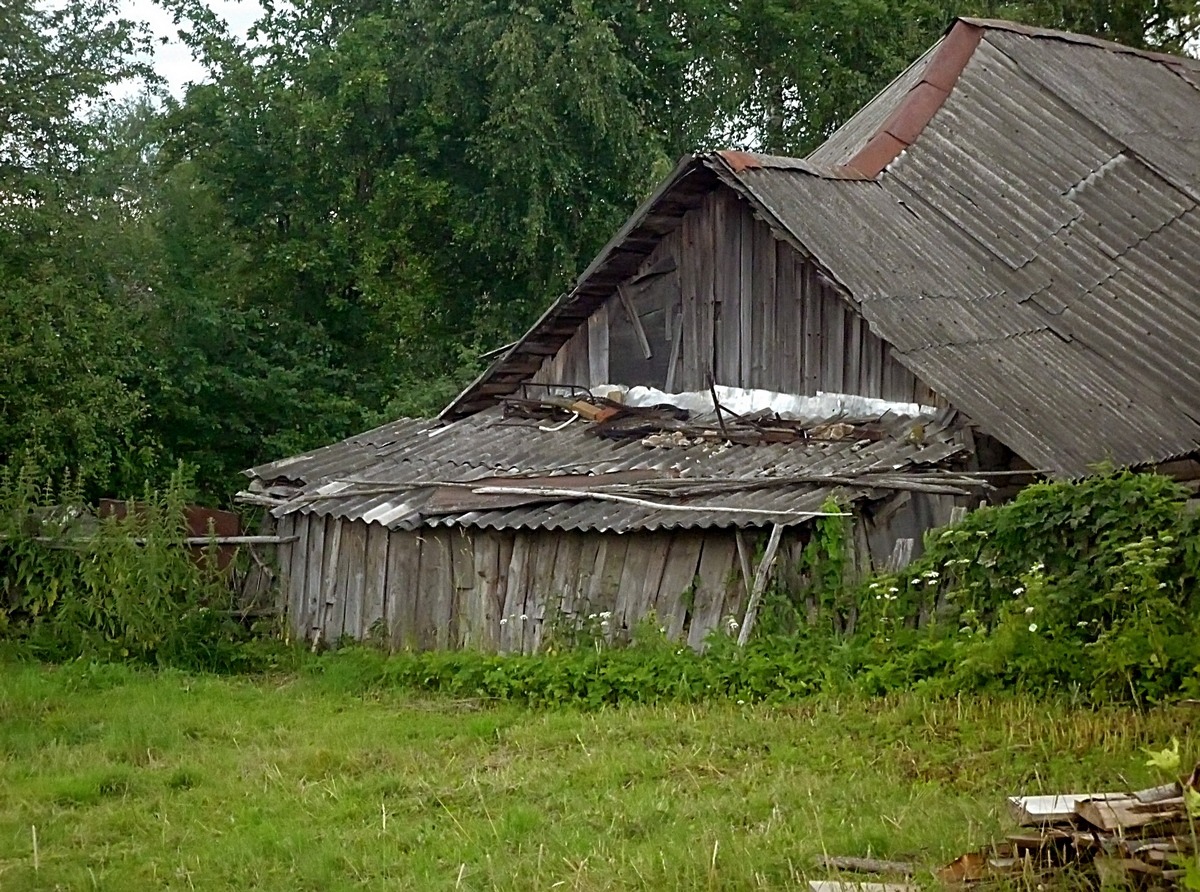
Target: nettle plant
[{"x": 114, "y": 588}]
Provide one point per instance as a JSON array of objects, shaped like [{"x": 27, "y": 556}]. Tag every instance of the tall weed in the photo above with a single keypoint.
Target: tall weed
[{"x": 110, "y": 588}]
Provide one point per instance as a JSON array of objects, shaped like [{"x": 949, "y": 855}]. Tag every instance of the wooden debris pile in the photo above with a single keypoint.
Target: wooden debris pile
[
  {"x": 1142, "y": 840},
  {"x": 672, "y": 426}
]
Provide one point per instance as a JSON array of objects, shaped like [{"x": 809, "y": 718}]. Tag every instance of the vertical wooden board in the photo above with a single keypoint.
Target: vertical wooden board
[
  {"x": 726, "y": 291},
  {"x": 872, "y": 364},
  {"x": 343, "y": 580},
  {"x": 590, "y": 572},
  {"x": 597, "y": 346},
  {"x": 585, "y": 568},
  {"x": 813, "y": 325},
  {"x": 293, "y": 564},
  {"x": 762, "y": 342},
  {"x": 689, "y": 284},
  {"x": 750, "y": 303},
  {"x": 333, "y": 610},
  {"x": 466, "y": 606},
  {"x": 400, "y": 600},
  {"x": 716, "y": 566},
  {"x": 487, "y": 572},
  {"x": 561, "y": 599},
  {"x": 853, "y": 382},
  {"x": 633, "y": 574},
  {"x": 607, "y": 583},
  {"x": 707, "y": 307},
  {"x": 785, "y": 363},
  {"x": 834, "y": 343},
  {"x": 544, "y": 551},
  {"x": 514, "y": 594},
  {"x": 674, "y": 600},
  {"x": 314, "y": 574},
  {"x": 354, "y": 555},
  {"x": 658, "y": 545},
  {"x": 438, "y": 580},
  {"x": 376, "y": 581}
]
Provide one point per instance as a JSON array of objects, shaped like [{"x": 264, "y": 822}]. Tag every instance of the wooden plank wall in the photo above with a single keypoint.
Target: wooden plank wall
[
  {"x": 754, "y": 313},
  {"x": 504, "y": 591}
]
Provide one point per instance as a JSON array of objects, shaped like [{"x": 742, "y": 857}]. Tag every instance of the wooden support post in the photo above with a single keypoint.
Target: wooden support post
[{"x": 761, "y": 578}]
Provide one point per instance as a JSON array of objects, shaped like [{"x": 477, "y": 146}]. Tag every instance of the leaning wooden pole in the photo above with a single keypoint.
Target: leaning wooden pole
[{"x": 761, "y": 577}]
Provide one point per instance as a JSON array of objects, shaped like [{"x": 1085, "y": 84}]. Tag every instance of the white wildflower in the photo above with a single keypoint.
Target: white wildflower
[
  {"x": 524, "y": 617},
  {"x": 1162, "y": 585},
  {"x": 741, "y": 703},
  {"x": 1019, "y": 590},
  {"x": 893, "y": 590},
  {"x": 504, "y": 620},
  {"x": 931, "y": 574},
  {"x": 873, "y": 585},
  {"x": 1028, "y": 610},
  {"x": 916, "y": 580},
  {"x": 1033, "y": 627}
]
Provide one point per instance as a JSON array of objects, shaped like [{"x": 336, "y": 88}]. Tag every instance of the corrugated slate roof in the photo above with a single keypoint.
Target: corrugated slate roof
[
  {"x": 416, "y": 473},
  {"x": 1017, "y": 215}
]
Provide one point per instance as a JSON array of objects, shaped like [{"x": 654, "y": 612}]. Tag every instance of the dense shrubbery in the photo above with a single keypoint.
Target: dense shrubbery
[
  {"x": 1087, "y": 589},
  {"x": 1086, "y": 586},
  {"x": 111, "y": 588}
]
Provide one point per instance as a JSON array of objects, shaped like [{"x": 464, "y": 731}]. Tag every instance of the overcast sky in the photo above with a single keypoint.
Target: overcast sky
[{"x": 174, "y": 61}]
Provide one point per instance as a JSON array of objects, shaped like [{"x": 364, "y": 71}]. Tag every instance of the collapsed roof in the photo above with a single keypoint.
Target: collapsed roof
[
  {"x": 1016, "y": 214},
  {"x": 639, "y": 464}
]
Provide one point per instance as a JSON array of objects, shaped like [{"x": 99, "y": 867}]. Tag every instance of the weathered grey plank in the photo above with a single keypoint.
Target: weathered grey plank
[
  {"x": 354, "y": 549},
  {"x": 375, "y": 586},
  {"x": 333, "y": 585},
  {"x": 638, "y": 553},
  {"x": 597, "y": 348},
  {"x": 400, "y": 603},
  {"x": 674, "y": 601},
  {"x": 515, "y": 592},
  {"x": 752, "y": 344},
  {"x": 541, "y": 583},
  {"x": 853, "y": 382},
  {"x": 293, "y": 562},
  {"x": 560, "y": 600},
  {"x": 713, "y": 577},
  {"x": 437, "y": 581},
  {"x": 654, "y": 575},
  {"x": 608, "y": 578},
  {"x": 727, "y": 294},
  {"x": 810, "y": 297},
  {"x": 487, "y": 569},
  {"x": 467, "y": 606},
  {"x": 834, "y": 362},
  {"x": 314, "y": 574}
]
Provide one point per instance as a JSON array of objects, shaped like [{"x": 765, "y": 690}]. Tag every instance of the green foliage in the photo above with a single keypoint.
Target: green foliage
[
  {"x": 649, "y": 670},
  {"x": 1087, "y": 586},
  {"x": 114, "y": 588}
]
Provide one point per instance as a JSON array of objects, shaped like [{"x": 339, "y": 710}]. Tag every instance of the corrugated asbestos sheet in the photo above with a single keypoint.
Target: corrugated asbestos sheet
[
  {"x": 1035, "y": 252},
  {"x": 422, "y": 473}
]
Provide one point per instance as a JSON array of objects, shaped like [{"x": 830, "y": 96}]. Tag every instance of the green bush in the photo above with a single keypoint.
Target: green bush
[
  {"x": 1087, "y": 586},
  {"x": 111, "y": 588}
]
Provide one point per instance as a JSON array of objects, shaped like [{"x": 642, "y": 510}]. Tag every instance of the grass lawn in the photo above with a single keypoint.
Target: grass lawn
[{"x": 141, "y": 780}]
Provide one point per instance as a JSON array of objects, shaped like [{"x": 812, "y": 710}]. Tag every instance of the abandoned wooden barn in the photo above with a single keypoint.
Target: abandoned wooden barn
[{"x": 1001, "y": 247}]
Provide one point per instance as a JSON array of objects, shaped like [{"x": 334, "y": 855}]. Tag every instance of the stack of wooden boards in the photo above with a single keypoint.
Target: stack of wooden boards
[{"x": 1142, "y": 840}]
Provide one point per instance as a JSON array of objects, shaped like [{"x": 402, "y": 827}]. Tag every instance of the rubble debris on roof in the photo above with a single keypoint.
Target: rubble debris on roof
[{"x": 587, "y": 462}]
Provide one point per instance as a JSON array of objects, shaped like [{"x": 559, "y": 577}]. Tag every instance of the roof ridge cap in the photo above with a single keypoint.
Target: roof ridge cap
[
  {"x": 1039, "y": 33},
  {"x": 902, "y": 127}
]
